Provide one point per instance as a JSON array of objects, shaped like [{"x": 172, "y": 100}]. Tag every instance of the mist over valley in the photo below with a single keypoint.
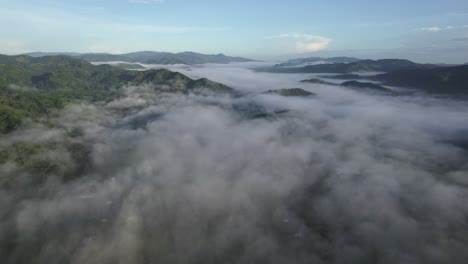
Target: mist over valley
[
  {"x": 233, "y": 132},
  {"x": 156, "y": 171}
]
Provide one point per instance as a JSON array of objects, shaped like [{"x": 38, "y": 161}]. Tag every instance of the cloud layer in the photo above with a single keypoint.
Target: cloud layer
[{"x": 342, "y": 177}]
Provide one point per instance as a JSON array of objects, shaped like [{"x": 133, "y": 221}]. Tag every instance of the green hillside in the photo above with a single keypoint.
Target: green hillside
[{"x": 31, "y": 87}]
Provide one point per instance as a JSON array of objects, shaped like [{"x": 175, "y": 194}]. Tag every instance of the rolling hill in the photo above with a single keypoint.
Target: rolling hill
[{"x": 32, "y": 87}]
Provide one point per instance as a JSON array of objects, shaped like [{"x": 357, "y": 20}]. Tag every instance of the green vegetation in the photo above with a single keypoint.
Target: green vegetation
[
  {"x": 16, "y": 106},
  {"x": 63, "y": 160},
  {"x": 10, "y": 119},
  {"x": 32, "y": 87},
  {"x": 152, "y": 57},
  {"x": 203, "y": 83},
  {"x": 291, "y": 92},
  {"x": 129, "y": 66}
]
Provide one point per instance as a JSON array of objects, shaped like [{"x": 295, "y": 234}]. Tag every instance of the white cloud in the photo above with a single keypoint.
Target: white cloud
[
  {"x": 432, "y": 29},
  {"x": 84, "y": 32},
  {"x": 146, "y": 1},
  {"x": 302, "y": 47},
  {"x": 307, "y": 42}
]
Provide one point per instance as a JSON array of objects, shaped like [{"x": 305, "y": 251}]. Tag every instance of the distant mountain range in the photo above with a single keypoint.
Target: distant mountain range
[
  {"x": 316, "y": 60},
  {"x": 149, "y": 57},
  {"x": 385, "y": 65}
]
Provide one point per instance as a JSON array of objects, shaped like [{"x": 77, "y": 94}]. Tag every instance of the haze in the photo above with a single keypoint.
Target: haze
[{"x": 276, "y": 132}]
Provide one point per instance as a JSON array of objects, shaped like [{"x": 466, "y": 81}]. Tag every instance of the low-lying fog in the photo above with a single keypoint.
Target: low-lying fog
[{"x": 341, "y": 177}]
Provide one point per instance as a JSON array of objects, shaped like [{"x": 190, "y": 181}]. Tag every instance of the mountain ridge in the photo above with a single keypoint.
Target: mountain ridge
[
  {"x": 150, "y": 57},
  {"x": 32, "y": 87},
  {"x": 383, "y": 65},
  {"x": 301, "y": 61}
]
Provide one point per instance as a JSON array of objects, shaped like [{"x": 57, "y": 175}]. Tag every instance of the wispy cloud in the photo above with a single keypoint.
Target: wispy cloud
[
  {"x": 431, "y": 29},
  {"x": 52, "y": 19},
  {"x": 146, "y": 1},
  {"x": 436, "y": 29},
  {"x": 307, "y": 42},
  {"x": 146, "y": 28}
]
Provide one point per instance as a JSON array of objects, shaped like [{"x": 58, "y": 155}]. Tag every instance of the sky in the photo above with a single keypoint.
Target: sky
[{"x": 425, "y": 31}]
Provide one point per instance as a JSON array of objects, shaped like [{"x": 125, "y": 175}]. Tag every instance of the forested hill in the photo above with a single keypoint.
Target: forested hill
[
  {"x": 446, "y": 80},
  {"x": 31, "y": 87},
  {"x": 385, "y": 65}
]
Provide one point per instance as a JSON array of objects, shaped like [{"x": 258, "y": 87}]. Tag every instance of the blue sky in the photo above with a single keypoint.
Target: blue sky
[{"x": 425, "y": 31}]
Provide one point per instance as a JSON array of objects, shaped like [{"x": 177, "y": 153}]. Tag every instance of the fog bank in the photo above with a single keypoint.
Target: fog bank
[{"x": 342, "y": 177}]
